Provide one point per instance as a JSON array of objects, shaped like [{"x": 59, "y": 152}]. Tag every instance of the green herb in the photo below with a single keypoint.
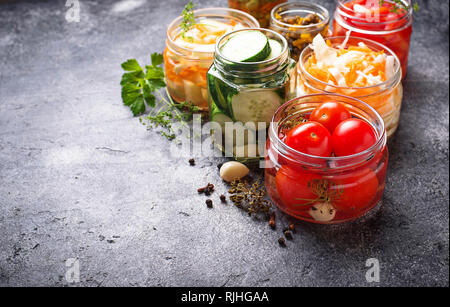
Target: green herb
[
  {"x": 188, "y": 19},
  {"x": 141, "y": 86},
  {"x": 399, "y": 4}
]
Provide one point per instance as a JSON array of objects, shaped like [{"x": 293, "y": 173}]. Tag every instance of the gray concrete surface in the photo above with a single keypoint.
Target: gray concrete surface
[{"x": 81, "y": 178}]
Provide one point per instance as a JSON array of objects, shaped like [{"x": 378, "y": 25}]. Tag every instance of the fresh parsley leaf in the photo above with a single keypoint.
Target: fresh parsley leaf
[
  {"x": 154, "y": 73},
  {"x": 132, "y": 77},
  {"x": 149, "y": 98},
  {"x": 131, "y": 65},
  {"x": 157, "y": 59},
  {"x": 138, "y": 107}
]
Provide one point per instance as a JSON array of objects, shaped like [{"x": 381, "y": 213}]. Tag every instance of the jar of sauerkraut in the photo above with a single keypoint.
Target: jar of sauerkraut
[
  {"x": 355, "y": 67},
  {"x": 189, "y": 54},
  {"x": 386, "y": 22}
]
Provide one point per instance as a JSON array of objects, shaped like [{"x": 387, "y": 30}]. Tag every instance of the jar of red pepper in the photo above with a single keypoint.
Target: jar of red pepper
[
  {"x": 325, "y": 189},
  {"x": 387, "y": 22}
]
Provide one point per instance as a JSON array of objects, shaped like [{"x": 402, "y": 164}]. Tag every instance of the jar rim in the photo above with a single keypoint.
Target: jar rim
[
  {"x": 206, "y": 12},
  {"x": 392, "y": 81},
  {"x": 301, "y": 4},
  {"x": 381, "y": 135},
  {"x": 218, "y": 52},
  {"x": 341, "y": 8}
]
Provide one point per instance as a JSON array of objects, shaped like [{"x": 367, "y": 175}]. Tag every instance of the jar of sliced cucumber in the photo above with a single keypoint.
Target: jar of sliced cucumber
[{"x": 251, "y": 77}]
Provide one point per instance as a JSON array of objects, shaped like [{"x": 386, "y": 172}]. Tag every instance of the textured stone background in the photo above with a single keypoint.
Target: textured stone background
[{"x": 80, "y": 177}]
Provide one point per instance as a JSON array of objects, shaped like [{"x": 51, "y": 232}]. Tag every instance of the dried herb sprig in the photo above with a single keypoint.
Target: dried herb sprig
[
  {"x": 325, "y": 190},
  {"x": 250, "y": 197}
]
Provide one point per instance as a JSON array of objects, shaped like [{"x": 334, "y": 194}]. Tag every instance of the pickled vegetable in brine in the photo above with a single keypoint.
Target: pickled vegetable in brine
[
  {"x": 260, "y": 9},
  {"x": 186, "y": 69}
]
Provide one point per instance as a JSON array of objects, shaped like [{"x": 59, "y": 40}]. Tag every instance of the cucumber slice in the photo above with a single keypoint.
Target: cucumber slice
[
  {"x": 219, "y": 117},
  {"x": 255, "y": 106},
  {"x": 275, "y": 48},
  {"x": 247, "y": 46},
  {"x": 214, "y": 94}
]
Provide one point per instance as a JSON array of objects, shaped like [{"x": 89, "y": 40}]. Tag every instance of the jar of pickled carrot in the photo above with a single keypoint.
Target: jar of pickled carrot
[
  {"x": 386, "y": 22},
  {"x": 260, "y": 9},
  {"x": 355, "y": 67},
  {"x": 299, "y": 23},
  {"x": 189, "y": 54},
  {"x": 330, "y": 189}
]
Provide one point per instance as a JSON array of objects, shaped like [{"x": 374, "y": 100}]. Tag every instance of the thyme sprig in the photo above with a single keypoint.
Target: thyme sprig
[
  {"x": 188, "y": 19},
  {"x": 168, "y": 113},
  {"x": 399, "y": 4}
]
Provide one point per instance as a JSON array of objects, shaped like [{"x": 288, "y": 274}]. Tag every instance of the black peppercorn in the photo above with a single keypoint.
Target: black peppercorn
[
  {"x": 209, "y": 203},
  {"x": 282, "y": 241},
  {"x": 192, "y": 162},
  {"x": 288, "y": 235},
  {"x": 223, "y": 198}
]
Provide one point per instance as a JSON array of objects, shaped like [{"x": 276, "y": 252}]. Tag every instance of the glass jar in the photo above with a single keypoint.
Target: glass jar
[
  {"x": 245, "y": 95},
  {"x": 260, "y": 9},
  {"x": 299, "y": 23},
  {"x": 186, "y": 64},
  {"x": 324, "y": 190},
  {"x": 385, "y": 98},
  {"x": 392, "y": 29}
]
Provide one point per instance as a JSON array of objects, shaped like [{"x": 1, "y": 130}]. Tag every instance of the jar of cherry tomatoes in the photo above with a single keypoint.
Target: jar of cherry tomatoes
[
  {"x": 189, "y": 52},
  {"x": 386, "y": 22},
  {"x": 325, "y": 190},
  {"x": 260, "y": 9},
  {"x": 385, "y": 97}
]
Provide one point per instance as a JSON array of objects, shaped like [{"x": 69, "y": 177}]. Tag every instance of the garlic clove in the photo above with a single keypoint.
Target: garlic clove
[
  {"x": 322, "y": 212},
  {"x": 233, "y": 170}
]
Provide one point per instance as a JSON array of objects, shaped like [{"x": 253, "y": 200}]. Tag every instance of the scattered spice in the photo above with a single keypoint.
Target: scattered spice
[
  {"x": 282, "y": 241},
  {"x": 250, "y": 197},
  {"x": 207, "y": 190},
  {"x": 191, "y": 162},
  {"x": 272, "y": 223},
  {"x": 288, "y": 234},
  {"x": 292, "y": 227},
  {"x": 209, "y": 203},
  {"x": 223, "y": 198}
]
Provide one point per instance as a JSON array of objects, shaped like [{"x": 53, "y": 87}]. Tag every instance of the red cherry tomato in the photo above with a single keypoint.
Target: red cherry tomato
[
  {"x": 330, "y": 114},
  {"x": 352, "y": 136},
  {"x": 356, "y": 190},
  {"x": 292, "y": 187},
  {"x": 310, "y": 138}
]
